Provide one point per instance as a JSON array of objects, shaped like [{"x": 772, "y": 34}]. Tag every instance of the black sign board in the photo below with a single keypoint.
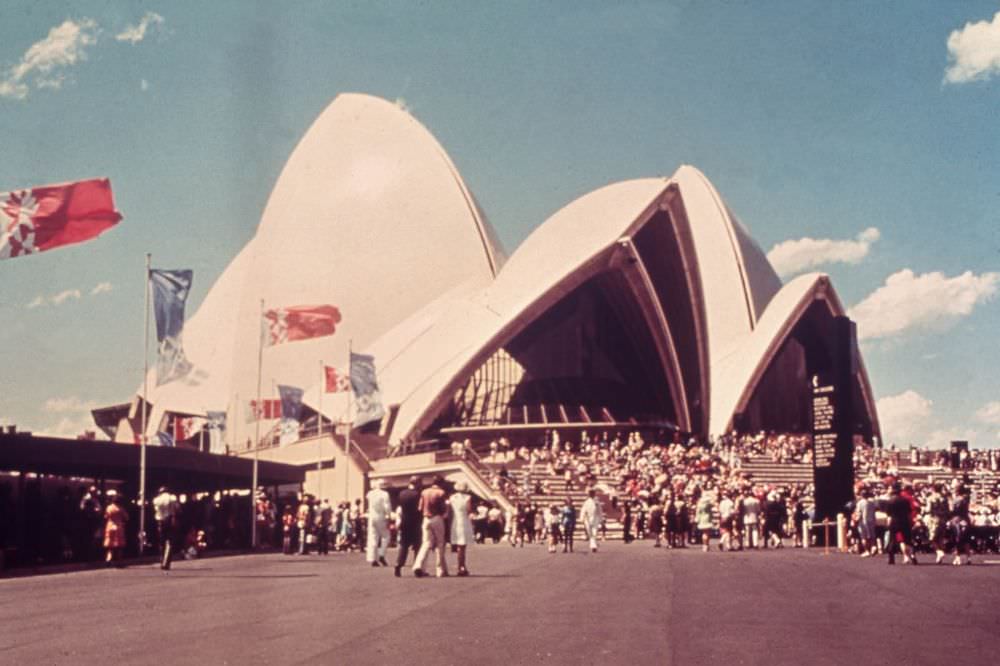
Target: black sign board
[
  {"x": 833, "y": 424},
  {"x": 824, "y": 421}
]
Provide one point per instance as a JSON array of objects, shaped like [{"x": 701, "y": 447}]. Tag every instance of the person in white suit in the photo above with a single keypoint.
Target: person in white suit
[
  {"x": 591, "y": 515},
  {"x": 379, "y": 510}
]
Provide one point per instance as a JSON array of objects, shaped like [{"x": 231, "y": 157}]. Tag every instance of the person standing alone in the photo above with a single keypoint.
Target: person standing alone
[
  {"x": 165, "y": 509},
  {"x": 591, "y": 516},
  {"x": 379, "y": 509}
]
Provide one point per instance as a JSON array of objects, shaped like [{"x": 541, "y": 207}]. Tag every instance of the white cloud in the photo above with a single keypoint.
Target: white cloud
[
  {"x": 143, "y": 85},
  {"x": 72, "y": 426},
  {"x": 903, "y": 416},
  {"x": 974, "y": 52},
  {"x": 101, "y": 288},
  {"x": 942, "y": 439},
  {"x": 68, "y": 294},
  {"x": 134, "y": 34},
  {"x": 989, "y": 413},
  {"x": 795, "y": 256},
  {"x": 73, "y": 417},
  {"x": 69, "y": 404},
  {"x": 45, "y": 61},
  {"x": 930, "y": 301},
  {"x": 64, "y": 296}
]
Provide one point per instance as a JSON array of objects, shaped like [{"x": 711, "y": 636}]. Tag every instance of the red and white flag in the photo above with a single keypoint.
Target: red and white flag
[
  {"x": 269, "y": 408},
  {"x": 335, "y": 382},
  {"x": 186, "y": 427},
  {"x": 42, "y": 218},
  {"x": 299, "y": 322}
]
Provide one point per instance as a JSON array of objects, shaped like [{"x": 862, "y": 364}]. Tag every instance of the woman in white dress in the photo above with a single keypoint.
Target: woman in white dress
[{"x": 462, "y": 533}]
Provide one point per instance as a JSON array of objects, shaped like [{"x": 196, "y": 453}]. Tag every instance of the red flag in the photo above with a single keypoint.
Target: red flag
[
  {"x": 334, "y": 381},
  {"x": 300, "y": 322},
  {"x": 47, "y": 217},
  {"x": 269, "y": 408}
]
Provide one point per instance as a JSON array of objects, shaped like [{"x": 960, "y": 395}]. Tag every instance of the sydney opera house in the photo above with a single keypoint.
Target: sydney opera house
[{"x": 644, "y": 304}]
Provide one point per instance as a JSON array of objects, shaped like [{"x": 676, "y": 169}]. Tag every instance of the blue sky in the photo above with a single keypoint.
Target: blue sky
[{"x": 868, "y": 129}]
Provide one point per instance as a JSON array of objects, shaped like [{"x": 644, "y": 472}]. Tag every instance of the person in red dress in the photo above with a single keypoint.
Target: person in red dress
[{"x": 114, "y": 531}]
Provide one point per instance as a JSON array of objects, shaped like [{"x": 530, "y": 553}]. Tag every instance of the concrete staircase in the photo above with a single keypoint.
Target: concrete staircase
[
  {"x": 556, "y": 484},
  {"x": 762, "y": 469},
  {"x": 979, "y": 481}
]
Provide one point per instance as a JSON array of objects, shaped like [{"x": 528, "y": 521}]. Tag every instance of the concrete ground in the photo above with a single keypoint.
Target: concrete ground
[{"x": 626, "y": 604}]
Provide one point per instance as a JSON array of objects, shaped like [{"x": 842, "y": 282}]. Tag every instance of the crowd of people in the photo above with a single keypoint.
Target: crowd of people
[
  {"x": 683, "y": 493},
  {"x": 674, "y": 493},
  {"x": 54, "y": 521}
]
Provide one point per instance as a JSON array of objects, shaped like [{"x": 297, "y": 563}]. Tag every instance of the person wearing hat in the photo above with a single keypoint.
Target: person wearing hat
[
  {"x": 408, "y": 520},
  {"x": 114, "y": 529},
  {"x": 379, "y": 509},
  {"x": 434, "y": 508},
  {"x": 165, "y": 509},
  {"x": 462, "y": 534}
]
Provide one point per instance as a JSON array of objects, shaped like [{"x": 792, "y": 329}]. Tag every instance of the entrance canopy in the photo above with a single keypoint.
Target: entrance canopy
[{"x": 183, "y": 470}]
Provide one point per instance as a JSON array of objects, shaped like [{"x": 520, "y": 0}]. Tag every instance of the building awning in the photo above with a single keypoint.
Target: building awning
[{"x": 183, "y": 470}]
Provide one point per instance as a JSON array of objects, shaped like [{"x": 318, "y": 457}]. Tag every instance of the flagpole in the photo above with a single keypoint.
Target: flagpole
[
  {"x": 236, "y": 426},
  {"x": 256, "y": 447},
  {"x": 319, "y": 428},
  {"x": 143, "y": 407},
  {"x": 350, "y": 424}
]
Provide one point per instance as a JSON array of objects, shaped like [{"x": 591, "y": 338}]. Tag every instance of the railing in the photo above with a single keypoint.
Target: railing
[
  {"x": 422, "y": 446},
  {"x": 475, "y": 463}
]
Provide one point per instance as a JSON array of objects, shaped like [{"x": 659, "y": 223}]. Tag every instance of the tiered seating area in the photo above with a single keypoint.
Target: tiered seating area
[
  {"x": 980, "y": 481},
  {"x": 556, "y": 484},
  {"x": 764, "y": 470}
]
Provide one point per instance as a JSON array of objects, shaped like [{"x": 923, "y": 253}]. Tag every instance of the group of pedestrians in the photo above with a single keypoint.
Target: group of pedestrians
[
  {"x": 427, "y": 519},
  {"x": 902, "y": 519}
]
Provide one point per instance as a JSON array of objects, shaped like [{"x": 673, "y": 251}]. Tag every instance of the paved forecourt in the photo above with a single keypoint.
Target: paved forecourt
[{"x": 628, "y": 603}]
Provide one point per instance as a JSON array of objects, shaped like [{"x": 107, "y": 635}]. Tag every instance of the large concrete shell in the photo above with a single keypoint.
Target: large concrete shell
[
  {"x": 740, "y": 309},
  {"x": 370, "y": 215}
]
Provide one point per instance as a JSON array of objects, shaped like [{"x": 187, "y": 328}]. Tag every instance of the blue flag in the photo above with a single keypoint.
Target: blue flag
[
  {"x": 291, "y": 410},
  {"x": 365, "y": 387},
  {"x": 170, "y": 292}
]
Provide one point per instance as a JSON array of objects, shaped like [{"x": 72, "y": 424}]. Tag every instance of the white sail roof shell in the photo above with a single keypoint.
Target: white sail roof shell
[
  {"x": 422, "y": 360},
  {"x": 419, "y": 361},
  {"x": 370, "y": 215}
]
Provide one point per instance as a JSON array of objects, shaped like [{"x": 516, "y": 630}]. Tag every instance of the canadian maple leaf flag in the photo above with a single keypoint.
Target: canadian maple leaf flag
[
  {"x": 335, "y": 382},
  {"x": 268, "y": 408},
  {"x": 43, "y": 218}
]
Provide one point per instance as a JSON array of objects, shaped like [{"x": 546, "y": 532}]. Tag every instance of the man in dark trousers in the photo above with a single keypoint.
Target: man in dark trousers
[
  {"x": 165, "y": 509},
  {"x": 408, "y": 522},
  {"x": 900, "y": 510}
]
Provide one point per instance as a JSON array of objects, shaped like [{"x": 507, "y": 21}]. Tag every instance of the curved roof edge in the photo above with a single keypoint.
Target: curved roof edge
[
  {"x": 495, "y": 254},
  {"x": 541, "y": 271},
  {"x": 758, "y": 280},
  {"x": 740, "y": 373}
]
